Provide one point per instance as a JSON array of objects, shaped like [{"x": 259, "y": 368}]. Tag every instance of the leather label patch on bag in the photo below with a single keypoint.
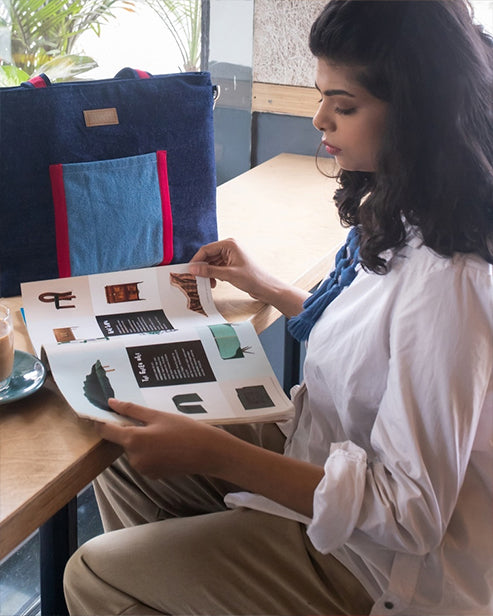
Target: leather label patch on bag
[{"x": 101, "y": 117}]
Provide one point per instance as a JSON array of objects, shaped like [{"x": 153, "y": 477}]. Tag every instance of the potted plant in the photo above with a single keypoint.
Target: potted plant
[{"x": 43, "y": 33}]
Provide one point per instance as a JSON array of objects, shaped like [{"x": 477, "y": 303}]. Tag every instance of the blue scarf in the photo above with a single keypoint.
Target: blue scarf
[{"x": 343, "y": 274}]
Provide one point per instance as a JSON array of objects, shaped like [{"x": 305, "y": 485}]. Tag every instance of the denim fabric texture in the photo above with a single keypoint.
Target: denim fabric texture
[
  {"x": 45, "y": 126},
  {"x": 122, "y": 199}
]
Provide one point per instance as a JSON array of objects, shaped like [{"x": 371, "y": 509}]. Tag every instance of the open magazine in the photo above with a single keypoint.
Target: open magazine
[{"x": 152, "y": 336}]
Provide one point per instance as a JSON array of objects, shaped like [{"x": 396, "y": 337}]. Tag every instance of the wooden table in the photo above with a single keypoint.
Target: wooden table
[{"x": 282, "y": 212}]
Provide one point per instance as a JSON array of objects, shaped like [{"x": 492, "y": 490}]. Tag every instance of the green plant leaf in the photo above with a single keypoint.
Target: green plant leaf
[
  {"x": 44, "y": 28},
  {"x": 12, "y": 76},
  {"x": 65, "y": 68}
]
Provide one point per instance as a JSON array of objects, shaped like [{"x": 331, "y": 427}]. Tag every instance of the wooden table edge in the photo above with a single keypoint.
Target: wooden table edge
[{"x": 44, "y": 505}]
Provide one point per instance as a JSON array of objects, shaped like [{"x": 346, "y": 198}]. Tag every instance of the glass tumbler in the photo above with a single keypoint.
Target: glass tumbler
[{"x": 6, "y": 347}]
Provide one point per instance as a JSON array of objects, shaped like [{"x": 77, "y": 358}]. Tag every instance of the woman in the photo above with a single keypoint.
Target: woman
[{"x": 377, "y": 498}]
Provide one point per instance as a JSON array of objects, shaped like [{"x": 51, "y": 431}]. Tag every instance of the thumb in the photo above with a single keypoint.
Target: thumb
[
  {"x": 117, "y": 433},
  {"x": 204, "y": 270},
  {"x": 200, "y": 268},
  {"x": 134, "y": 411}
]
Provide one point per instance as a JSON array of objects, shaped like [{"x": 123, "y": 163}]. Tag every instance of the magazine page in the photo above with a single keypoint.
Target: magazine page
[
  {"x": 216, "y": 373},
  {"x": 152, "y": 336},
  {"x": 102, "y": 306}
]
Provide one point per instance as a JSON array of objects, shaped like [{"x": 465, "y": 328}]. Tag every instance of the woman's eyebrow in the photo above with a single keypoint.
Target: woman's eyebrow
[{"x": 335, "y": 92}]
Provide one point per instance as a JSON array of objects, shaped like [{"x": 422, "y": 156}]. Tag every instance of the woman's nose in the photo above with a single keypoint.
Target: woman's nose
[{"x": 322, "y": 122}]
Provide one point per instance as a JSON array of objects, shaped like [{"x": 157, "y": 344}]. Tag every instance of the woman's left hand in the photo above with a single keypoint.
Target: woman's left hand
[{"x": 163, "y": 444}]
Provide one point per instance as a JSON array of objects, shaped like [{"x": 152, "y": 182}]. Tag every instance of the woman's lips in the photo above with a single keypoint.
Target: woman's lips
[{"x": 332, "y": 149}]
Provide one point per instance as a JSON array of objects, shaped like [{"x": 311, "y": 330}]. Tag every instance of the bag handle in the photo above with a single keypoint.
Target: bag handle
[
  {"x": 43, "y": 81},
  {"x": 39, "y": 81},
  {"x": 132, "y": 73}
]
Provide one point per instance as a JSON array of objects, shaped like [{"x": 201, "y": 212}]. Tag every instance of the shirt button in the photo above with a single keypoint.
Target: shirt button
[{"x": 388, "y": 605}]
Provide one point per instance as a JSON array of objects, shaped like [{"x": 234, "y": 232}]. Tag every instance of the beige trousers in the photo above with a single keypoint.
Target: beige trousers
[{"x": 175, "y": 549}]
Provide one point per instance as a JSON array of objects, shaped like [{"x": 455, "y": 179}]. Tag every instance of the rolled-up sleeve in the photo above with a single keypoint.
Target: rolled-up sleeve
[{"x": 338, "y": 497}]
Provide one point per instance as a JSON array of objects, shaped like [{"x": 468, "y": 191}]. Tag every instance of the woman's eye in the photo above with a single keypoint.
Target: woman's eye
[{"x": 343, "y": 111}]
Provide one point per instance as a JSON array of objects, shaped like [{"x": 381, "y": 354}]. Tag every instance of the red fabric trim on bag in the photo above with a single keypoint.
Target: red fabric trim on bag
[
  {"x": 162, "y": 171},
  {"x": 142, "y": 74},
  {"x": 61, "y": 221},
  {"x": 38, "y": 82}
]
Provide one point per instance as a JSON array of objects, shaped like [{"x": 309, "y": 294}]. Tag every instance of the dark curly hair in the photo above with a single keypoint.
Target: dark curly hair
[{"x": 434, "y": 66}]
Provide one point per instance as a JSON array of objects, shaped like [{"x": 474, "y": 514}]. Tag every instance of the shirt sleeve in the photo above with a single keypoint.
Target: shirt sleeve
[{"x": 402, "y": 492}]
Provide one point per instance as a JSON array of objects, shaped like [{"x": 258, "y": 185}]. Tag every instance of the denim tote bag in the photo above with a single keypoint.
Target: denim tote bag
[{"x": 104, "y": 175}]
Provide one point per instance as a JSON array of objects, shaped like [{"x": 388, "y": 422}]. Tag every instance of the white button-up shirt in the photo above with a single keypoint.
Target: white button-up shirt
[{"x": 397, "y": 405}]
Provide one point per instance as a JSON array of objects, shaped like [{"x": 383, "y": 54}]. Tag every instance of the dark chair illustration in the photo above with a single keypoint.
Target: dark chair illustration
[
  {"x": 182, "y": 403},
  {"x": 48, "y": 297},
  {"x": 97, "y": 387}
]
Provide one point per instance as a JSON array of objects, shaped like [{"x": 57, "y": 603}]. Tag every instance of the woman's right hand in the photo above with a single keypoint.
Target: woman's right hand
[{"x": 226, "y": 260}]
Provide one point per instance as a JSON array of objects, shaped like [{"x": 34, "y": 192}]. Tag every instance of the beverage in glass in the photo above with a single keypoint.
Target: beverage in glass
[{"x": 6, "y": 347}]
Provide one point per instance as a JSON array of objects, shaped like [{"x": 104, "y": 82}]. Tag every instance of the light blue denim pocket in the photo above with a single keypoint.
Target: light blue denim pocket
[{"x": 112, "y": 215}]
